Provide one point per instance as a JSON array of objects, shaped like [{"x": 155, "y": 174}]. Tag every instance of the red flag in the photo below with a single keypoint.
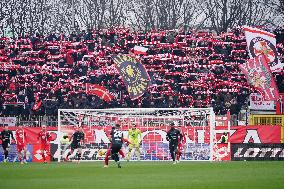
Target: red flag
[
  {"x": 37, "y": 105},
  {"x": 258, "y": 74},
  {"x": 99, "y": 91},
  {"x": 69, "y": 57}
]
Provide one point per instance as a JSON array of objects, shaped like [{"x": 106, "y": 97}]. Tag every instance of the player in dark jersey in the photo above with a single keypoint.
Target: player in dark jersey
[
  {"x": 117, "y": 140},
  {"x": 77, "y": 139},
  {"x": 6, "y": 137},
  {"x": 108, "y": 152},
  {"x": 173, "y": 136}
]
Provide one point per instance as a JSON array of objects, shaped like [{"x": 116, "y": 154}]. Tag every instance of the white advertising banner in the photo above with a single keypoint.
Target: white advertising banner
[
  {"x": 8, "y": 121},
  {"x": 258, "y": 103}
]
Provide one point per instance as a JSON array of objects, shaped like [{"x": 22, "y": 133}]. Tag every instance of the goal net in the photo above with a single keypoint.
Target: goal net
[{"x": 196, "y": 124}]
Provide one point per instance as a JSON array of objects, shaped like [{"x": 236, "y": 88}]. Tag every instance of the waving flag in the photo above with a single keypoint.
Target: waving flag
[
  {"x": 262, "y": 42},
  {"x": 134, "y": 75},
  {"x": 140, "y": 50},
  {"x": 99, "y": 91},
  {"x": 259, "y": 75}
]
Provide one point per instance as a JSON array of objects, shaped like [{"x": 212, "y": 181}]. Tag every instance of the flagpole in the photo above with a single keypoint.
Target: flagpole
[{"x": 278, "y": 105}]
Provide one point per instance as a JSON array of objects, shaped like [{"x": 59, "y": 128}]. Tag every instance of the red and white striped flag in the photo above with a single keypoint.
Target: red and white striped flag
[
  {"x": 140, "y": 50},
  {"x": 99, "y": 91}
]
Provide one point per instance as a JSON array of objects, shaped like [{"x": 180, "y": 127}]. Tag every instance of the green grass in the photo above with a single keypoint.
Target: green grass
[{"x": 146, "y": 175}]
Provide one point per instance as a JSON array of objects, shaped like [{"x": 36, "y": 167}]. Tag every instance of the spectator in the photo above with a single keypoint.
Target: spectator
[{"x": 191, "y": 71}]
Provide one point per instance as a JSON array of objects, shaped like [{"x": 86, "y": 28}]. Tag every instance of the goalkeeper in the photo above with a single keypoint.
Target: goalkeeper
[
  {"x": 135, "y": 138},
  {"x": 64, "y": 143}
]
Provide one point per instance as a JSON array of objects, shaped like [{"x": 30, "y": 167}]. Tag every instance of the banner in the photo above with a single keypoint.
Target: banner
[
  {"x": 99, "y": 91},
  {"x": 140, "y": 50},
  {"x": 8, "y": 121},
  {"x": 252, "y": 134},
  {"x": 243, "y": 134},
  {"x": 258, "y": 103},
  {"x": 32, "y": 133},
  {"x": 222, "y": 152},
  {"x": 37, "y": 156},
  {"x": 154, "y": 145},
  {"x": 259, "y": 76},
  {"x": 257, "y": 152},
  {"x": 13, "y": 153},
  {"x": 33, "y": 147},
  {"x": 261, "y": 42},
  {"x": 134, "y": 75}
]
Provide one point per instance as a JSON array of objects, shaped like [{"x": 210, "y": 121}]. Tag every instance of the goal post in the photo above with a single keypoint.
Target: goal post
[{"x": 197, "y": 125}]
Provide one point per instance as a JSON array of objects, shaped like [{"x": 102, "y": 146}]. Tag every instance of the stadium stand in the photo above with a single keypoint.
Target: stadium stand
[{"x": 40, "y": 74}]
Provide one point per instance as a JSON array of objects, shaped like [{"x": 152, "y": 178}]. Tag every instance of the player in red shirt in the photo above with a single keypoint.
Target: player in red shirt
[
  {"x": 44, "y": 138},
  {"x": 181, "y": 142},
  {"x": 21, "y": 138}
]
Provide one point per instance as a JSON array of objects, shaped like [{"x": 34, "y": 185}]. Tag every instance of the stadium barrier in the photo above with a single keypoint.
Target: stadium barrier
[
  {"x": 13, "y": 154},
  {"x": 154, "y": 140},
  {"x": 8, "y": 121},
  {"x": 282, "y": 103},
  {"x": 272, "y": 120},
  {"x": 34, "y": 121},
  {"x": 257, "y": 152}
]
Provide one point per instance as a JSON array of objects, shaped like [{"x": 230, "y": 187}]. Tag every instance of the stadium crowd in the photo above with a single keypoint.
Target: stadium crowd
[{"x": 41, "y": 73}]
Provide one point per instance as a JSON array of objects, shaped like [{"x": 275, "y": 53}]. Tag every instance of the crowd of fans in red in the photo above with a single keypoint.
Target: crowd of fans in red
[{"x": 40, "y": 74}]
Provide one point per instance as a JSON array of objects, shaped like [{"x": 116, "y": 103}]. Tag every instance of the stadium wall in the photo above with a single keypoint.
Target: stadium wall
[
  {"x": 272, "y": 120},
  {"x": 98, "y": 140}
]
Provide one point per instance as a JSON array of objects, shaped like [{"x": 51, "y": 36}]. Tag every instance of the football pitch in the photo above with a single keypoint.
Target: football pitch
[{"x": 144, "y": 175}]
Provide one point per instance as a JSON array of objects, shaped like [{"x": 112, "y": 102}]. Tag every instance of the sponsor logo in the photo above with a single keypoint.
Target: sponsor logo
[
  {"x": 157, "y": 123},
  {"x": 220, "y": 153},
  {"x": 38, "y": 155},
  {"x": 257, "y": 151}
]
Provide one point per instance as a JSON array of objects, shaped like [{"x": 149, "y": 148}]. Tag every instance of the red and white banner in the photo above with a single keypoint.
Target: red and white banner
[
  {"x": 196, "y": 134},
  {"x": 140, "y": 50},
  {"x": 258, "y": 103},
  {"x": 245, "y": 135},
  {"x": 37, "y": 154},
  {"x": 154, "y": 143},
  {"x": 261, "y": 42},
  {"x": 259, "y": 76},
  {"x": 32, "y": 133},
  {"x": 256, "y": 134},
  {"x": 99, "y": 91},
  {"x": 222, "y": 152}
]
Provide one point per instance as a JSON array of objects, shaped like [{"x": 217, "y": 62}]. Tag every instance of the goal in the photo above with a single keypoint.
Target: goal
[{"x": 197, "y": 125}]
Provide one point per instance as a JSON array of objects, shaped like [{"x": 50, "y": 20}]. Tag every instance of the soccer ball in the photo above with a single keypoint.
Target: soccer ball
[{"x": 101, "y": 152}]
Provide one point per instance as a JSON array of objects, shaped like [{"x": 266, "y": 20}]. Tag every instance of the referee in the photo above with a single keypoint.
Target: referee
[{"x": 6, "y": 136}]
